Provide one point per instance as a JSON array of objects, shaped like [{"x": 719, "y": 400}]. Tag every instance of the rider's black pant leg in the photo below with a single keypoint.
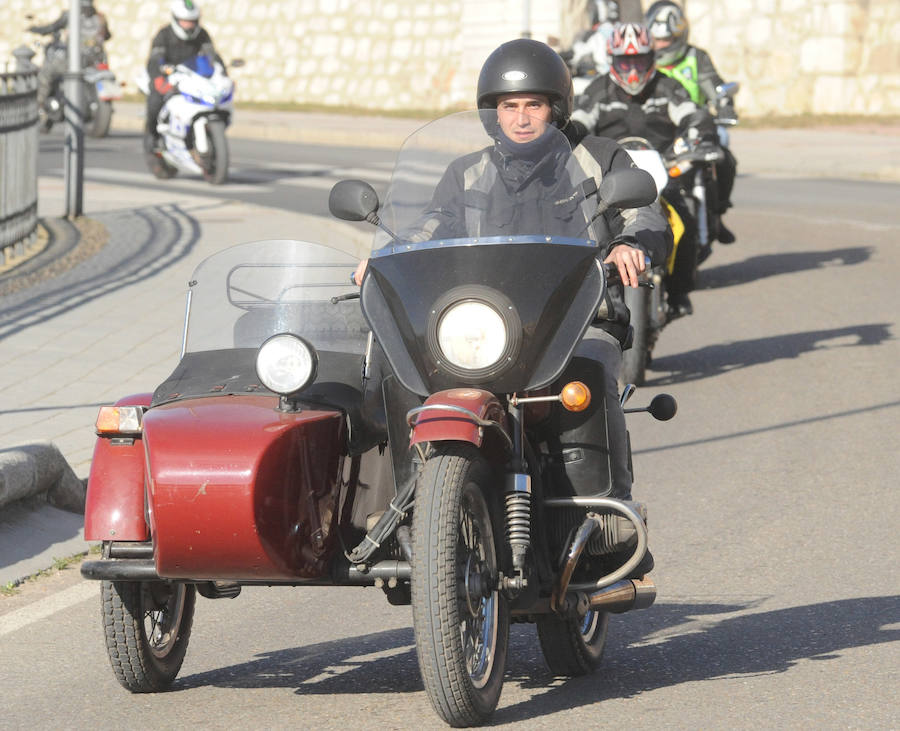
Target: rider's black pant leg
[
  {"x": 726, "y": 170},
  {"x": 589, "y": 449},
  {"x": 681, "y": 280},
  {"x": 154, "y": 107}
]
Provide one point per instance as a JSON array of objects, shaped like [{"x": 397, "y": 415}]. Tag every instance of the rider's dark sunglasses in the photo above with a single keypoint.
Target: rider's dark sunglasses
[{"x": 624, "y": 64}]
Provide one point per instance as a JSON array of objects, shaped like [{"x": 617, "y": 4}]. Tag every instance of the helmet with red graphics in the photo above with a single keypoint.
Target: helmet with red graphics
[{"x": 631, "y": 57}]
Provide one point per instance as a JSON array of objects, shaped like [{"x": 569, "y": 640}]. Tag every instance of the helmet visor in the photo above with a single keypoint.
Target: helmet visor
[{"x": 624, "y": 65}]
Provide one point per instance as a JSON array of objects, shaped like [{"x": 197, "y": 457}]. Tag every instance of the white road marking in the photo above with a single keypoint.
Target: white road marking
[{"x": 49, "y": 606}]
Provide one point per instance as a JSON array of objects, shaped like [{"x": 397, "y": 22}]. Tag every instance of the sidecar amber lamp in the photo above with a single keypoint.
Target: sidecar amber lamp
[
  {"x": 286, "y": 364},
  {"x": 119, "y": 420},
  {"x": 575, "y": 396}
]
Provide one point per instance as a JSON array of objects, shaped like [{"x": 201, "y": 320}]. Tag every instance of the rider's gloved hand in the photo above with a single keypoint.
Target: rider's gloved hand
[
  {"x": 162, "y": 85},
  {"x": 629, "y": 262}
]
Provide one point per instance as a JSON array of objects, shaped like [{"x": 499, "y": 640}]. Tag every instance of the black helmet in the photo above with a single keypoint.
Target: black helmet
[{"x": 528, "y": 67}]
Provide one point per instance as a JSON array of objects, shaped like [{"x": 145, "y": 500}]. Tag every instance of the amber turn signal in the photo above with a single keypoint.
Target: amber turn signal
[
  {"x": 119, "y": 420},
  {"x": 575, "y": 396}
]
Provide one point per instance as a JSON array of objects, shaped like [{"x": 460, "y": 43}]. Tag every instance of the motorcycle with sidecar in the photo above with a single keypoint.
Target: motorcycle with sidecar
[{"x": 314, "y": 433}]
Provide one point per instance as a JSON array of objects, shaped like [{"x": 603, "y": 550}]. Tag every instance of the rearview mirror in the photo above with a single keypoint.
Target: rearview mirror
[
  {"x": 627, "y": 189},
  {"x": 352, "y": 200}
]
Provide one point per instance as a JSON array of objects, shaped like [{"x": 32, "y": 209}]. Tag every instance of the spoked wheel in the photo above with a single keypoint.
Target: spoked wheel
[
  {"x": 147, "y": 626},
  {"x": 461, "y": 620},
  {"x": 571, "y": 647},
  {"x": 215, "y": 169}
]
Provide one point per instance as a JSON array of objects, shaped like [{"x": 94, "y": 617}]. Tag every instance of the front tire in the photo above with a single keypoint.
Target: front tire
[
  {"x": 216, "y": 168},
  {"x": 572, "y": 648},
  {"x": 99, "y": 125},
  {"x": 460, "y": 618},
  {"x": 634, "y": 360},
  {"x": 147, "y": 626}
]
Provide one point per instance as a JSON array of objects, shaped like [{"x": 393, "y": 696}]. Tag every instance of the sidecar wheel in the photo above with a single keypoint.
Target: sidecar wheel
[
  {"x": 147, "y": 626},
  {"x": 461, "y": 620},
  {"x": 572, "y": 648}
]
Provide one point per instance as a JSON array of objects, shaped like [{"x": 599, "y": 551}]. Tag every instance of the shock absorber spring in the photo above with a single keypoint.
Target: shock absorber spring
[{"x": 518, "y": 517}]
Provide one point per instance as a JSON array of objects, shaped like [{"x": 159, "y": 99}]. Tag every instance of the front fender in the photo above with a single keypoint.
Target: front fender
[
  {"x": 114, "y": 508},
  {"x": 436, "y": 425}
]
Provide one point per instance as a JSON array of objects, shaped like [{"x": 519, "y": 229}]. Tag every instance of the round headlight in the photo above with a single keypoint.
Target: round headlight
[
  {"x": 472, "y": 335},
  {"x": 286, "y": 363}
]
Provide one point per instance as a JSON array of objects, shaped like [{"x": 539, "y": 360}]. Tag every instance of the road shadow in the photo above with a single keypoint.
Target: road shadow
[
  {"x": 770, "y": 265},
  {"x": 762, "y": 643},
  {"x": 142, "y": 243},
  {"x": 669, "y": 645},
  {"x": 340, "y": 666},
  {"x": 714, "y": 360}
]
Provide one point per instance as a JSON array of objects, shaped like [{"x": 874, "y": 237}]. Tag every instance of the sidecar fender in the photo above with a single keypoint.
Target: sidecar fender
[
  {"x": 437, "y": 425},
  {"x": 114, "y": 509}
]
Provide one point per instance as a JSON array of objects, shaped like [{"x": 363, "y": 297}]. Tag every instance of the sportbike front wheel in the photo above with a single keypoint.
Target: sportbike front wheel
[
  {"x": 216, "y": 160},
  {"x": 460, "y": 618},
  {"x": 147, "y": 625}
]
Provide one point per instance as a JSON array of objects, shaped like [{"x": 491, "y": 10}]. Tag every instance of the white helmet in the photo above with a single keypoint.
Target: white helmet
[{"x": 185, "y": 10}]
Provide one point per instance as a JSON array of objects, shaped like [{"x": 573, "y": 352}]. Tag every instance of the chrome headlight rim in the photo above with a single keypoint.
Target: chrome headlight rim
[
  {"x": 299, "y": 347},
  {"x": 496, "y": 301}
]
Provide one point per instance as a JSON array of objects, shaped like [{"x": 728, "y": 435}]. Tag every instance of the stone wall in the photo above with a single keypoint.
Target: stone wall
[
  {"x": 791, "y": 56},
  {"x": 804, "y": 56}
]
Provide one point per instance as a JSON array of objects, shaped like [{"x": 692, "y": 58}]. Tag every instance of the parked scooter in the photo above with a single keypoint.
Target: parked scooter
[
  {"x": 100, "y": 91},
  {"x": 192, "y": 122},
  {"x": 399, "y": 436}
]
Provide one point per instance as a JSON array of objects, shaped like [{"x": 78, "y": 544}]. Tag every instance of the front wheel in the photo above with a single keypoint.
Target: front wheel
[
  {"x": 634, "y": 360},
  {"x": 460, "y": 619},
  {"x": 100, "y": 122},
  {"x": 573, "y": 647},
  {"x": 147, "y": 626},
  {"x": 215, "y": 168}
]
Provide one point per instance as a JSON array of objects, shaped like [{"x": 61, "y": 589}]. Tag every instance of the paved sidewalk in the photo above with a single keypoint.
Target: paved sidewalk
[{"x": 111, "y": 324}]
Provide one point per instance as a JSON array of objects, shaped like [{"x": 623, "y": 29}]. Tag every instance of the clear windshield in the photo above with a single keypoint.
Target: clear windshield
[
  {"x": 242, "y": 295},
  {"x": 486, "y": 174}
]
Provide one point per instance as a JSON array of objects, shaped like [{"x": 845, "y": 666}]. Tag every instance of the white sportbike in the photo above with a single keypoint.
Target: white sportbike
[{"x": 191, "y": 125}]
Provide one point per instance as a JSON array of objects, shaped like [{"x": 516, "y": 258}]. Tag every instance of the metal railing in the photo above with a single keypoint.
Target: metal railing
[{"x": 18, "y": 159}]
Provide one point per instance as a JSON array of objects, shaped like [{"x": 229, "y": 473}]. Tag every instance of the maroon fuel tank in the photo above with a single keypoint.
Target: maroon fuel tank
[{"x": 239, "y": 490}]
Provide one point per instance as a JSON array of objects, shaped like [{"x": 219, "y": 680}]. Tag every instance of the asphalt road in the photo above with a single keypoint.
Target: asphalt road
[{"x": 773, "y": 514}]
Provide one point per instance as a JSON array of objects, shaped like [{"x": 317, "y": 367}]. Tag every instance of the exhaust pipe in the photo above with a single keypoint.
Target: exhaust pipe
[{"x": 623, "y": 596}]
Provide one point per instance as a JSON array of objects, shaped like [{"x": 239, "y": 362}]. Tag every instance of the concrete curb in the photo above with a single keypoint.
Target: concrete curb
[{"x": 40, "y": 469}]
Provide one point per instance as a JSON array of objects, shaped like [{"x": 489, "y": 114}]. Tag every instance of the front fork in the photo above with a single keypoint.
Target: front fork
[{"x": 517, "y": 500}]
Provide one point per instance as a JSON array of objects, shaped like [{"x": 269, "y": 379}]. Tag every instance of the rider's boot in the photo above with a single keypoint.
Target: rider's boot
[
  {"x": 678, "y": 305},
  {"x": 725, "y": 235}
]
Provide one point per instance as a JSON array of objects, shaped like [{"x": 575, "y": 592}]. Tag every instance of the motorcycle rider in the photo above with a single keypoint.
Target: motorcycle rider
[
  {"x": 588, "y": 53},
  {"x": 694, "y": 69},
  {"x": 182, "y": 39},
  {"x": 94, "y": 32},
  {"x": 634, "y": 100},
  {"x": 530, "y": 87}
]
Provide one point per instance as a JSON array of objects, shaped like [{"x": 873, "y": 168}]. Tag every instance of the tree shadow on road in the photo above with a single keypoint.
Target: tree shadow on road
[
  {"x": 770, "y": 265},
  {"x": 669, "y": 645},
  {"x": 714, "y": 360}
]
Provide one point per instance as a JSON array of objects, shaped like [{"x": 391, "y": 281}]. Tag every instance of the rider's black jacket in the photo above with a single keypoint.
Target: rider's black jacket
[
  {"x": 168, "y": 49},
  {"x": 494, "y": 192},
  {"x": 662, "y": 112}
]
